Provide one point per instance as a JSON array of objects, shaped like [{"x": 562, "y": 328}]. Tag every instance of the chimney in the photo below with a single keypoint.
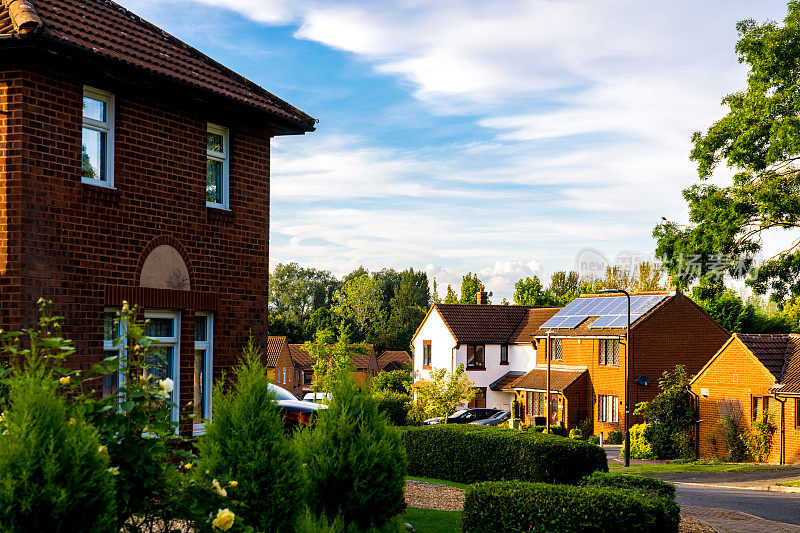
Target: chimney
[{"x": 483, "y": 296}]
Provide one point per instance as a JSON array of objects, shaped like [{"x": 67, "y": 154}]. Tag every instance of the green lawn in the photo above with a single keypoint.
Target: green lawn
[
  {"x": 795, "y": 483},
  {"x": 680, "y": 467},
  {"x": 438, "y": 481},
  {"x": 430, "y": 521}
]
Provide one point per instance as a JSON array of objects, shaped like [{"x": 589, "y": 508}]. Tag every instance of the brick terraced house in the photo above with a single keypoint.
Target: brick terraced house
[
  {"x": 750, "y": 374},
  {"x": 133, "y": 167},
  {"x": 588, "y": 353}
]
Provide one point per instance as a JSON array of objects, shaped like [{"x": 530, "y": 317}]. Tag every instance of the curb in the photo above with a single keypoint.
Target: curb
[{"x": 765, "y": 488}]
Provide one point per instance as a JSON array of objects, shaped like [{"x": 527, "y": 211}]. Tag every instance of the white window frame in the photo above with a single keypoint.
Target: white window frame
[
  {"x": 199, "y": 428},
  {"x": 106, "y": 127},
  {"x": 608, "y": 409},
  {"x": 175, "y": 342},
  {"x": 108, "y": 344},
  {"x": 224, "y": 158}
]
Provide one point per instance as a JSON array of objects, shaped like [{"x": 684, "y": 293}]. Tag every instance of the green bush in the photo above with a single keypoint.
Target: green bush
[
  {"x": 54, "y": 476},
  {"x": 559, "y": 430},
  {"x": 395, "y": 405},
  {"x": 575, "y": 434},
  {"x": 614, "y": 437},
  {"x": 468, "y": 454},
  {"x": 245, "y": 442},
  {"x": 308, "y": 523},
  {"x": 587, "y": 427},
  {"x": 502, "y": 507},
  {"x": 356, "y": 466},
  {"x": 649, "y": 485},
  {"x": 641, "y": 448},
  {"x": 593, "y": 439}
]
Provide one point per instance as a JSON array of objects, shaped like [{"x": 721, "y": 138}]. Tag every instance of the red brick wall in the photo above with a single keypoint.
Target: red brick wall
[
  {"x": 78, "y": 240},
  {"x": 736, "y": 375}
]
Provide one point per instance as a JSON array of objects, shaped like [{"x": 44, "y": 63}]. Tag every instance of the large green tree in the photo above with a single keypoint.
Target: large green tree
[
  {"x": 529, "y": 291},
  {"x": 759, "y": 137},
  {"x": 295, "y": 292},
  {"x": 360, "y": 300},
  {"x": 407, "y": 308},
  {"x": 470, "y": 286}
]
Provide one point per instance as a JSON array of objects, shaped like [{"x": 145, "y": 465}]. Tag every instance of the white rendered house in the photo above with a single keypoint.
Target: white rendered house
[{"x": 495, "y": 344}]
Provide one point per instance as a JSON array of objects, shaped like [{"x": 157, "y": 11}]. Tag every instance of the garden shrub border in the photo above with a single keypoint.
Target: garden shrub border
[{"x": 469, "y": 454}]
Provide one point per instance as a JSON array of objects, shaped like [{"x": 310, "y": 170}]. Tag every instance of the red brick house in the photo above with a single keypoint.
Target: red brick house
[
  {"x": 750, "y": 374},
  {"x": 366, "y": 367},
  {"x": 280, "y": 366},
  {"x": 133, "y": 167},
  {"x": 588, "y": 356}
]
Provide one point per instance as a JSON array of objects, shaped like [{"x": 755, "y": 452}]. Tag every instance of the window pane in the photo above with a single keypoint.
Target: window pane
[
  {"x": 200, "y": 333},
  {"x": 159, "y": 362},
  {"x": 110, "y": 328},
  {"x": 479, "y": 361},
  {"x": 214, "y": 142},
  {"x": 199, "y": 401},
  {"x": 214, "y": 181},
  {"x": 93, "y": 155},
  {"x": 159, "y": 327},
  {"x": 94, "y": 109}
]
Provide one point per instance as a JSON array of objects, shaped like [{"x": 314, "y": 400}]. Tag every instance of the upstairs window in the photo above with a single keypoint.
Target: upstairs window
[
  {"x": 504, "y": 354},
  {"x": 426, "y": 353},
  {"x": 476, "y": 356},
  {"x": 609, "y": 352},
  {"x": 97, "y": 148},
  {"x": 217, "y": 162},
  {"x": 558, "y": 350}
]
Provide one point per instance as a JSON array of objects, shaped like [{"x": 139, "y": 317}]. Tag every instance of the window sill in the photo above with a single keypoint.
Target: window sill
[
  {"x": 476, "y": 368},
  {"x": 426, "y": 367},
  {"x": 98, "y": 191},
  {"x": 503, "y": 362}
]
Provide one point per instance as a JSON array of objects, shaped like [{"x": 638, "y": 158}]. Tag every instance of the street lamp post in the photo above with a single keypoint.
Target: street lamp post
[{"x": 628, "y": 359}]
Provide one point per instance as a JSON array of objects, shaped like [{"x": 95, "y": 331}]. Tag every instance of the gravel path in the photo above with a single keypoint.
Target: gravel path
[{"x": 425, "y": 495}]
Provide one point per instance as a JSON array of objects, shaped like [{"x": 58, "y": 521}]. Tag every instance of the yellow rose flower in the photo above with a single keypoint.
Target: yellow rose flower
[
  {"x": 217, "y": 487},
  {"x": 208, "y": 472},
  {"x": 64, "y": 381},
  {"x": 72, "y": 421},
  {"x": 113, "y": 470},
  {"x": 102, "y": 450},
  {"x": 234, "y": 483},
  {"x": 224, "y": 519},
  {"x": 188, "y": 466}
]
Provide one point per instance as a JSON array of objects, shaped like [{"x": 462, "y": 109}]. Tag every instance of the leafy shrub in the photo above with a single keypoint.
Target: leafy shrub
[
  {"x": 309, "y": 523},
  {"x": 245, "y": 443},
  {"x": 587, "y": 427},
  {"x": 537, "y": 507},
  {"x": 614, "y": 437},
  {"x": 468, "y": 454},
  {"x": 649, "y": 485},
  {"x": 356, "y": 466},
  {"x": 594, "y": 439},
  {"x": 398, "y": 381},
  {"x": 559, "y": 430},
  {"x": 575, "y": 433},
  {"x": 670, "y": 416},
  {"x": 54, "y": 476},
  {"x": 759, "y": 441},
  {"x": 732, "y": 435},
  {"x": 640, "y": 444},
  {"x": 395, "y": 405}
]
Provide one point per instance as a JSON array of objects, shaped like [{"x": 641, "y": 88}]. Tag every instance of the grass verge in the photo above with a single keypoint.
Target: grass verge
[
  {"x": 680, "y": 467},
  {"x": 439, "y": 481},
  {"x": 795, "y": 483},
  {"x": 430, "y": 521}
]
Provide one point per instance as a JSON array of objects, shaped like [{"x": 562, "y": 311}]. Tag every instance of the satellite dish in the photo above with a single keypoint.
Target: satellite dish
[
  {"x": 490, "y": 294},
  {"x": 644, "y": 381}
]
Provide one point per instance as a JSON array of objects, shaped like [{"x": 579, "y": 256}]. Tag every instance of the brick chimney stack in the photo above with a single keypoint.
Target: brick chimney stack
[{"x": 483, "y": 296}]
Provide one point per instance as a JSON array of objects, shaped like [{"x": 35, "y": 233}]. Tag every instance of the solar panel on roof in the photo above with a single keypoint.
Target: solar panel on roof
[
  {"x": 554, "y": 322},
  {"x": 571, "y": 321},
  {"x": 603, "y": 322}
]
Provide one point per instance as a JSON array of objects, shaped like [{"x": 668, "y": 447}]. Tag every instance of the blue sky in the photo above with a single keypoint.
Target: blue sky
[{"x": 495, "y": 137}]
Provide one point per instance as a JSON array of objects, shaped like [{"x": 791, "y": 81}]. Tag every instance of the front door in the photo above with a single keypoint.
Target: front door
[{"x": 553, "y": 408}]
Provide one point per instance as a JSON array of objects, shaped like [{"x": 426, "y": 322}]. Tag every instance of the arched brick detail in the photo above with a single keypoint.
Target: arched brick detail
[{"x": 171, "y": 241}]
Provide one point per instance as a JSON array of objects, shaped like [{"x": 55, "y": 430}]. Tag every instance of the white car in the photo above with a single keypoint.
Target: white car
[{"x": 316, "y": 397}]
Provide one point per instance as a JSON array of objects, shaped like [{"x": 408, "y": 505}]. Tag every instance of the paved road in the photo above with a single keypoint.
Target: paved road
[{"x": 776, "y": 506}]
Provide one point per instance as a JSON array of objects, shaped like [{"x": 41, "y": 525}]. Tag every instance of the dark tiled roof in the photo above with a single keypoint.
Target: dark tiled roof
[
  {"x": 393, "y": 356},
  {"x": 771, "y": 349},
  {"x": 532, "y": 321},
  {"x": 302, "y": 358},
  {"x": 494, "y": 324},
  {"x": 537, "y": 379},
  {"x": 274, "y": 348},
  {"x": 106, "y": 29},
  {"x": 506, "y": 380},
  {"x": 791, "y": 371}
]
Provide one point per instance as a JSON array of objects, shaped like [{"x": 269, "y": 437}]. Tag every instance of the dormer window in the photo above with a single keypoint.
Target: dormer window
[
  {"x": 97, "y": 138},
  {"x": 217, "y": 163}
]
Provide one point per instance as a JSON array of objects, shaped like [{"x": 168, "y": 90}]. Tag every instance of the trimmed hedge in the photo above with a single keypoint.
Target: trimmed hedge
[
  {"x": 512, "y": 507},
  {"x": 468, "y": 454},
  {"x": 648, "y": 485},
  {"x": 554, "y": 429}
]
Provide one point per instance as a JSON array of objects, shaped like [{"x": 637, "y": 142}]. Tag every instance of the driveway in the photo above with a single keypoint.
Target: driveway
[{"x": 776, "y": 506}]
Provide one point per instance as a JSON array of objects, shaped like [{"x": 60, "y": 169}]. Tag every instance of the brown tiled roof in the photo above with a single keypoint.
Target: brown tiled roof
[
  {"x": 106, "y": 29},
  {"x": 393, "y": 356},
  {"x": 494, "y": 324},
  {"x": 771, "y": 349},
  {"x": 274, "y": 348},
  {"x": 531, "y": 322},
  {"x": 506, "y": 380},
  {"x": 537, "y": 379},
  {"x": 302, "y": 358},
  {"x": 791, "y": 371}
]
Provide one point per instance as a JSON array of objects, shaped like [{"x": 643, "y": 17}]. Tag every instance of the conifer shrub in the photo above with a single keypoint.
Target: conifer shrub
[
  {"x": 355, "y": 463},
  {"x": 54, "y": 476},
  {"x": 245, "y": 442}
]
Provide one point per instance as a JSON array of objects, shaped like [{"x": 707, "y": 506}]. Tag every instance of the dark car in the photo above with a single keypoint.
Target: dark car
[
  {"x": 465, "y": 416},
  {"x": 494, "y": 420},
  {"x": 295, "y": 412}
]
